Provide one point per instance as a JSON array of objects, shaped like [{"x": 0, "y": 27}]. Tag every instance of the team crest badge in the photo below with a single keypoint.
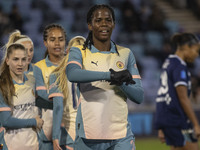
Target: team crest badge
[{"x": 120, "y": 65}]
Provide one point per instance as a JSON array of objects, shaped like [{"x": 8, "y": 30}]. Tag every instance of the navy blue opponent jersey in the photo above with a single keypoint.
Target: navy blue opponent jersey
[{"x": 169, "y": 112}]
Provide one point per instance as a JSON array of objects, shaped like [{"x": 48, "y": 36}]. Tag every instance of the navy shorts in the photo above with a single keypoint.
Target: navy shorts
[{"x": 178, "y": 137}]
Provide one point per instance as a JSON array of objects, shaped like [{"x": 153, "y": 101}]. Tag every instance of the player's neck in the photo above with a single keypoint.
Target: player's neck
[
  {"x": 56, "y": 60},
  {"x": 102, "y": 46},
  {"x": 19, "y": 78},
  {"x": 180, "y": 55}
]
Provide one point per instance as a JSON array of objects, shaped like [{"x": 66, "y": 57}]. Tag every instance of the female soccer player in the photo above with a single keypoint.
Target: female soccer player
[
  {"x": 102, "y": 113},
  {"x": 64, "y": 97},
  {"x": 17, "y": 37},
  {"x": 54, "y": 37},
  {"x": 174, "y": 114},
  {"x": 18, "y": 114}
]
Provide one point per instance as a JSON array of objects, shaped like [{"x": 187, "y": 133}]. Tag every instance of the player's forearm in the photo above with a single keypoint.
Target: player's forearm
[
  {"x": 76, "y": 74},
  {"x": 134, "y": 92},
  {"x": 57, "y": 116},
  {"x": 10, "y": 122},
  {"x": 186, "y": 104},
  {"x": 187, "y": 107}
]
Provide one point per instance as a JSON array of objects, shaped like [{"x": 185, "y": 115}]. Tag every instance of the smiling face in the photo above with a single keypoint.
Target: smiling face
[
  {"x": 17, "y": 61},
  {"x": 101, "y": 25},
  {"x": 55, "y": 42}
]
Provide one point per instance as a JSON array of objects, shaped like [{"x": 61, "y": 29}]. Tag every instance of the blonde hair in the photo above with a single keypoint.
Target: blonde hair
[
  {"x": 17, "y": 37},
  {"x": 77, "y": 40},
  {"x": 60, "y": 70},
  {"x": 6, "y": 84}
]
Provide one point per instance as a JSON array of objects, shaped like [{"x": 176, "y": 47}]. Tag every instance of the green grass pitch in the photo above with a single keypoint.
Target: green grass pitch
[{"x": 150, "y": 143}]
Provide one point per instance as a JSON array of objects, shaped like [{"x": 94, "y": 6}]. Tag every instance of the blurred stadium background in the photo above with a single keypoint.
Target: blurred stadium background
[{"x": 145, "y": 26}]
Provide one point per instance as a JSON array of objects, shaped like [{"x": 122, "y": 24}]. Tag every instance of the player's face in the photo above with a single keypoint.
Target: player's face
[
  {"x": 192, "y": 53},
  {"x": 55, "y": 42},
  {"x": 17, "y": 61},
  {"x": 29, "y": 48},
  {"x": 102, "y": 25}
]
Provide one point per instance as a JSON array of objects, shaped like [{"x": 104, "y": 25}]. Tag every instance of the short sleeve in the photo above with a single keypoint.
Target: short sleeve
[{"x": 179, "y": 76}]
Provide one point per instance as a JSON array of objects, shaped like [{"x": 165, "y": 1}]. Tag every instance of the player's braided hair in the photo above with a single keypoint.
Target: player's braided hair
[
  {"x": 48, "y": 28},
  {"x": 90, "y": 15}
]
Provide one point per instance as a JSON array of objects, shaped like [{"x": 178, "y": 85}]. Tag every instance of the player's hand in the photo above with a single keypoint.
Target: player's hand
[
  {"x": 56, "y": 145},
  {"x": 39, "y": 122},
  {"x": 197, "y": 131},
  {"x": 118, "y": 77},
  {"x": 161, "y": 136}
]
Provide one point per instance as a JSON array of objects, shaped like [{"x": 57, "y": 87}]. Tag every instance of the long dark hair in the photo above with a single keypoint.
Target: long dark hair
[{"x": 90, "y": 15}]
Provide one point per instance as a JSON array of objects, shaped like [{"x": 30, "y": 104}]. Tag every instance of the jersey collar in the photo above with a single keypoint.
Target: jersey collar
[
  {"x": 25, "y": 79},
  {"x": 48, "y": 62},
  {"x": 181, "y": 60},
  {"x": 112, "y": 50}
]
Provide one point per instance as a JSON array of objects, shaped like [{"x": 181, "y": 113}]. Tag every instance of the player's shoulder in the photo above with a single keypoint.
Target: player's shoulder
[
  {"x": 121, "y": 48},
  {"x": 176, "y": 61},
  {"x": 125, "y": 51},
  {"x": 40, "y": 63},
  {"x": 30, "y": 79},
  {"x": 78, "y": 47}
]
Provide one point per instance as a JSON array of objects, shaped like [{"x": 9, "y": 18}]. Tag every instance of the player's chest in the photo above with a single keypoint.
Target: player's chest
[
  {"x": 23, "y": 95},
  {"x": 103, "y": 62},
  {"x": 46, "y": 73}
]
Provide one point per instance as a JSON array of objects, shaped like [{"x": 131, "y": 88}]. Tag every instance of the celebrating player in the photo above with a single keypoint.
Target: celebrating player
[
  {"x": 102, "y": 112},
  {"x": 63, "y": 94},
  {"x": 18, "y": 114},
  {"x": 54, "y": 37}
]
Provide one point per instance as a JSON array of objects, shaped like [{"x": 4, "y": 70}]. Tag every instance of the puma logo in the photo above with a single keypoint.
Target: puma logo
[{"x": 94, "y": 63}]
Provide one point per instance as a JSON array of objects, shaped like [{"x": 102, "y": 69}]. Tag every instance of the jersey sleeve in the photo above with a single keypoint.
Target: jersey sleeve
[
  {"x": 56, "y": 95},
  {"x": 179, "y": 76},
  {"x": 40, "y": 84},
  {"x": 7, "y": 121},
  {"x": 75, "y": 56},
  {"x": 135, "y": 91},
  {"x": 42, "y": 100},
  {"x": 75, "y": 73}
]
